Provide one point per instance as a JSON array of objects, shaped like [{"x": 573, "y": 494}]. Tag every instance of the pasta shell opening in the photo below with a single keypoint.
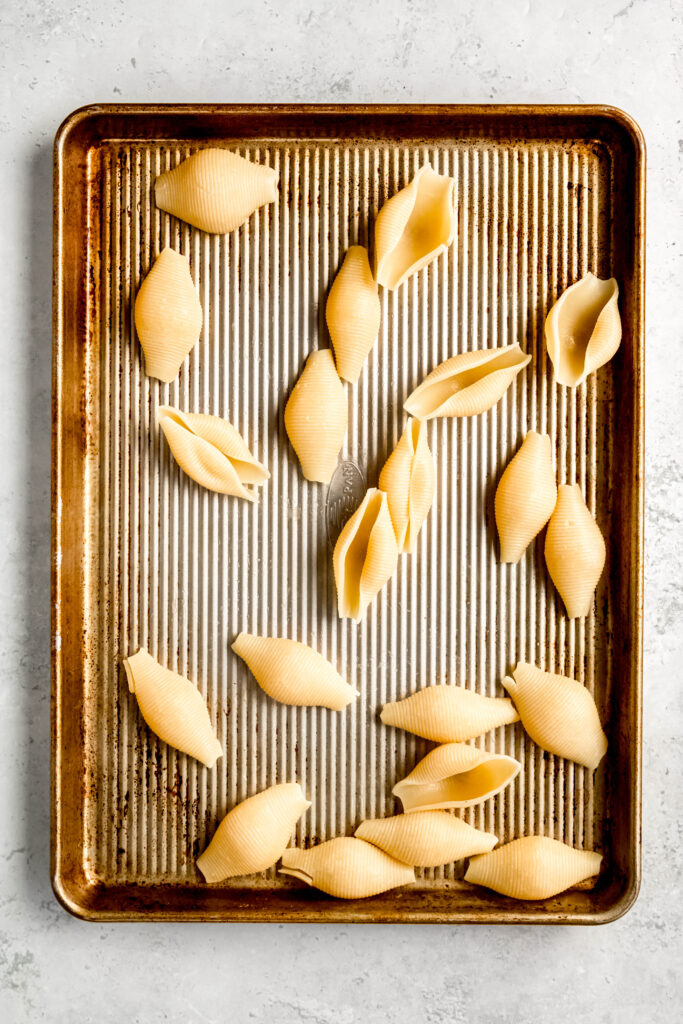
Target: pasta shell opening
[
  {"x": 316, "y": 417},
  {"x": 353, "y": 313},
  {"x": 525, "y": 496},
  {"x": 575, "y": 551},
  {"x": 467, "y": 384},
  {"x": 455, "y": 775},
  {"x": 583, "y": 329},
  {"x": 210, "y": 451},
  {"x": 409, "y": 480},
  {"x": 215, "y": 190},
  {"x": 365, "y": 555},
  {"x": 414, "y": 227},
  {"x": 168, "y": 315}
]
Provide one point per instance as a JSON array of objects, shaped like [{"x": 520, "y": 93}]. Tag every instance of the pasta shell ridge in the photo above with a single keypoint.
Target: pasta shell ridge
[
  {"x": 425, "y": 839},
  {"x": 346, "y": 868},
  {"x": 414, "y": 226},
  {"x": 210, "y": 451},
  {"x": 455, "y": 775},
  {"x": 173, "y": 708},
  {"x": 533, "y": 868},
  {"x": 467, "y": 384},
  {"x": 353, "y": 313},
  {"x": 254, "y": 834},
  {"x": 293, "y": 673},
  {"x": 574, "y": 551},
  {"x": 365, "y": 555},
  {"x": 449, "y": 714},
  {"x": 558, "y": 713},
  {"x": 168, "y": 315},
  {"x": 583, "y": 329},
  {"x": 215, "y": 190},
  {"x": 316, "y": 417},
  {"x": 525, "y": 496},
  {"x": 409, "y": 480}
]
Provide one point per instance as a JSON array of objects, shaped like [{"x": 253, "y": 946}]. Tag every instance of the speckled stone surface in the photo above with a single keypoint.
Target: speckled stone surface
[{"x": 58, "y": 56}]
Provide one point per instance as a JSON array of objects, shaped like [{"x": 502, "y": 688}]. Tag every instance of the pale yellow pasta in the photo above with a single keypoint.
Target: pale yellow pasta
[
  {"x": 425, "y": 839},
  {"x": 168, "y": 315},
  {"x": 211, "y": 451},
  {"x": 173, "y": 708},
  {"x": 574, "y": 551},
  {"x": 455, "y": 775},
  {"x": 346, "y": 868},
  {"x": 533, "y": 868},
  {"x": 583, "y": 329},
  {"x": 293, "y": 673},
  {"x": 215, "y": 190},
  {"x": 316, "y": 415},
  {"x": 449, "y": 714},
  {"x": 365, "y": 555},
  {"x": 414, "y": 227},
  {"x": 525, "y": 496},
  {"x": 353, "y": 313},
  {"x": 408, "y": 478},
  {"x": 253, "y": 835},
  {"x": 467, "y": 384},
  {"x": 558, "y": 713}
]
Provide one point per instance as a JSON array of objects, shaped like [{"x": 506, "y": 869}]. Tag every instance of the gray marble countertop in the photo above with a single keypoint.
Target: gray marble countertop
[{"x": 58, "y": 56}]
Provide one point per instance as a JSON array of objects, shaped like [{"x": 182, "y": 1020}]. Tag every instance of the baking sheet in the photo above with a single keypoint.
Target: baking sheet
[{"x": 144, "y": 557}]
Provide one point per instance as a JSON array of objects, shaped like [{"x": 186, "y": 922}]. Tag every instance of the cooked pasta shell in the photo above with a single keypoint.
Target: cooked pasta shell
[
  {"x": 168, "y": 315},
  {"x": 365, "y": 555},
  {"x": 414, "y": 227},
  {"x": 408, "y": 478},
  {"x": 448, "y": 714},
  {"x": 455, "y": 775},
  {"x": 353, "y": 313},
  {"x": 583, "y": 329},
  {"x": 533, "y": 868},
  {"x": 293, "y": 673},
  {"x": 173, "y": 708},
  {"x": 211, "y": 451},
  {"x": 316, "y": 415},
  {"x": 467, "y": 384},
  {"x": 525, "y": 496},
  {"x": 346, "y": 868},
  {"x": 425, "y": 839},
  {"x": 215, "y": 190},
  {"x": 574, "y": 551},
  {"x": 253, "y": 835},
  {"x": 558, "y": 713}
]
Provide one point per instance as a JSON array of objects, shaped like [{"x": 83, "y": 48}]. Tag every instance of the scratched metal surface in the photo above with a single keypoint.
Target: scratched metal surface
[{"x": 183, "y": 570}]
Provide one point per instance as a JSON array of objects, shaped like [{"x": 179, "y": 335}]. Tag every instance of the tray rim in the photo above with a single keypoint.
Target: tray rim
[{"x": 70, "y": 896}]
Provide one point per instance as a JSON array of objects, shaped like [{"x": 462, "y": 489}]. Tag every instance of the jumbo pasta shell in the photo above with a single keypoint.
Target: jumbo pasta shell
[
  {"x": 353, "y": 313},
  {"x": 346, "y": 868},
  {"x": 455, "y": 775},
  {"x": 211, "y": 452},
  {"x": 215, "y": 190},
  {"x": 414, "y": 227},
  {"x": 253, "y": 835},
  {"x": 467, "y": 384},
  {"x": 558, "y": 713},
  {"x": 168, "y": 315},
  {"x": 449, "y": 714},
  {"x": 365, "y": 555},
  {"x": 525, "y": 496},
  {"x": 574, "y": 551},
  {"x": 316, "y": 417},
  {"x": 293, "y": 673},
  {"x": 425, "y": 839},
  {"x": 583, "y": 329},
  {"x": 533, "y": 868},
  {"x": 409, "y": 480},
  {"x": 173, "y": 708}
]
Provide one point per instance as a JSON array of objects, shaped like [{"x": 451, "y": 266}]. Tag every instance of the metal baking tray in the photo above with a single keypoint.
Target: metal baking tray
[{"x": 142, "y": 556}]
